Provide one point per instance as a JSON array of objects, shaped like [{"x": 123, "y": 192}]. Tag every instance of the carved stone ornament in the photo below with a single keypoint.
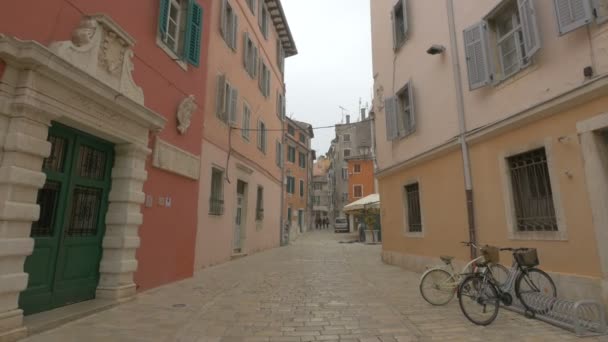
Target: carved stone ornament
[
  {"x": 378, "y": 101},
  {"x": 104, "y": 50},
  {"x": 184, "y": 113}
]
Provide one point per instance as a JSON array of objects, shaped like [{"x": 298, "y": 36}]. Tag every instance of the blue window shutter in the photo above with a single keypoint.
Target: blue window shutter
[
  {"x": 163, "y": 15},
  {"x": 194, "y": 27}
]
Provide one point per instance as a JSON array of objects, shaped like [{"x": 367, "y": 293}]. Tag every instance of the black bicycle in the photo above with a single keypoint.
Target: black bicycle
[{"x": 480, "y": 294}]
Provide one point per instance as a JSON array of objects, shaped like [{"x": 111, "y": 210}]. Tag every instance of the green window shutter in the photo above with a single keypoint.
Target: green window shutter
[
  {"x": 163, "y": 15},
  {"x": 194, "y": 27}
]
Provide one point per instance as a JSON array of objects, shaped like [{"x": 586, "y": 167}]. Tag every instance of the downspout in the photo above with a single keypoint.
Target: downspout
[
  {"x": 468, "y": 182},
  {"x": 282, "y": 161},
  {"x": 373, "y": 129}
]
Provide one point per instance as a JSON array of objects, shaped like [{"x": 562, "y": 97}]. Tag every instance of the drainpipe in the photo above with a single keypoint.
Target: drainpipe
[
  {"x": 372, "y": 118},
  {"x": 281, "y": 215},
  {"x": 468, "y": 182}
]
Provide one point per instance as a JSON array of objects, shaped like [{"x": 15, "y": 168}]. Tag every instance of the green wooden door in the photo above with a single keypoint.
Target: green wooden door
[{"x": 64, "y": 266}]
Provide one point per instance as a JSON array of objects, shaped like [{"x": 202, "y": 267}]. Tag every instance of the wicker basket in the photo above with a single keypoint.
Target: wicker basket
[
  {"x": 528, "y": 258},
  {"x": 490, "y": 254}
]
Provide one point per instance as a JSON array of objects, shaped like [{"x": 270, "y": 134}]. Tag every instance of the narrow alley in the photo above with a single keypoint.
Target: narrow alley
[{"x": 316, "y": 289}]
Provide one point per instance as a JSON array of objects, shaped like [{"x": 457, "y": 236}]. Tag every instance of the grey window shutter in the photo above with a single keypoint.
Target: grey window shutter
[
  {"x": 246, "y": 51},
  {"x": 476, "y": 51},
  {"x": 223, "y": 18},
  {"x": 600, "y": 9},
  {"x": 228, "y": 103},
  {"x": 412, "y": 118},
  {"x": 267, "y": 82},
  {"x": 405, "y": 18},
  {"x": 529, "y": 22},
  {"x": 233, "y": 105},
  {"x": 572, "y": 14},
  {"x": 219, "y": 98},
  {"x": 393, "y": 20},
  {"x": 390, "y": 112},
  {"x": 259, "y": 131},
  {"x": 235, "y": 30},
  {"x": 260, "y": 12}
]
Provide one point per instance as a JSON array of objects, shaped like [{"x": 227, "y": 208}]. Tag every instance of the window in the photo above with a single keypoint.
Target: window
[
  {"x": 216, "y": 202},
  {"x": 317, "y": 186},
  {"x": 251, "y": 5},
  {"x": 281, "y": 106},
  {"x": 302, "y": 138},
  {"x": 346, "y": 153},
  {"x": 316, "y": 200},
  {"x": 245, "y": 132},
  {"x": 229, "y": 24},
  {"x": 400, "y": 117},
  {"x": 291, "y": 185},
  {"x": 264, "y": 79},
  {"x": 259, "y": 204},
  {"x": 414, "y": 216},
  {"x": 357, "y": 168},
  {"x": 226, "y": 100},
  {"x": 532, "y": 194},
  {"x": 291, "y": 154},
  {"x": 572, "y": 14},
  {"x": 345, "y": 197},
  {"x": 400, "y": 23},
  {"x": 279, "y": 154},
  {"x": 302, "y": 160},
  {"x": 358, "y": 191},
  {"x": 280, "y": 56},
  {"x": 263, "y": 18},
  {"x": 250, "y": 56},
  {"x": 301, "y": 188},
  {"x": 344, "y": 173},
  {"x": 180, "y": 26},
  {"x": 346, "y": 138},
  {"x": 507, "y": 38},
  {"x": 291, "y": 130},
  {"x": 261, "y": 136}
]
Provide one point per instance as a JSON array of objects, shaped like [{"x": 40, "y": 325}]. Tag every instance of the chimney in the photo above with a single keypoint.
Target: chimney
[
  {"x": 348, "y": 119},
  {"x": 362, "y": 114}
]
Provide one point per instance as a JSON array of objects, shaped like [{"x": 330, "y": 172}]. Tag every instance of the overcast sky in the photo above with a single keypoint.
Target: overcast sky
[{"x": 333, "y": 66}]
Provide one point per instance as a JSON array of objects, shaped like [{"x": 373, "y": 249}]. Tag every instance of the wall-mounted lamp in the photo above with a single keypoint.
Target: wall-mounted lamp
[{"x": 435, "y": 49}]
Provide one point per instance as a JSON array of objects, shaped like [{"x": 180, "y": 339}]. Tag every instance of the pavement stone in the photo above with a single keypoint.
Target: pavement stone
[{"x": 316, "y": 289}]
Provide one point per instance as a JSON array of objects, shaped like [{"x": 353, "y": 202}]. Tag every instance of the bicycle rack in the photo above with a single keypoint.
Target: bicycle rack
[{"x": 583, "y": 317}]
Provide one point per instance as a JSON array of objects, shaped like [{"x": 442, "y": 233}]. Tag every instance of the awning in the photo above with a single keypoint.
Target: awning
[{"x": 371, "y": 201}]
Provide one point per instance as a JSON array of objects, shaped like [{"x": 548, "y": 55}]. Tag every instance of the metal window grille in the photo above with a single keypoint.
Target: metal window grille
[
  {"x": 414, "y": 217},
  {"x": 346, "y": 153},
  {"x": 532, "y": 194},
  {"x": 91, "y": 163},
  {"x": 85, "y": 211},
  {"x": 259, "y": 210},
  {"x": 216, "y": 202},
  {"x": 55, "y": 161}
]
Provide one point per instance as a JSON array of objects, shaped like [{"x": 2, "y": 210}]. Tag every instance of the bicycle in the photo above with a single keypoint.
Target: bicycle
[
  {"x": 484, "y": 292},
  {"x": 439, "y": 284}
]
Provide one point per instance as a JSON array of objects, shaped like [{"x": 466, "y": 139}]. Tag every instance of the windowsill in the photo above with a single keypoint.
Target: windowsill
[
  {"x": 559, "y": 235},
  {"x": 521, "y": 73},
  {"x": 397, "y": 48},
  {"x": 171, "y": 53},
  {"x": 414, "y": 235}
]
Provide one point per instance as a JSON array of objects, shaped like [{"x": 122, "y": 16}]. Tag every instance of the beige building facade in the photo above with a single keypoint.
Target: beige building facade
[
  {"x": 242, "y": 143},
  {"x": 533, "y": 115}
]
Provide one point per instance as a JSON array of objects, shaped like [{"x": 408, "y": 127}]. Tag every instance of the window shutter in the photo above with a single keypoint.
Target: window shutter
[
  {"x": 267, "y": 82},
  {"x": 532, "y": 41},
  {"x": 235, "y": 30},
  {"x": 219, "y": 98},
  {"x": 572, "y": 14},
  {"x": 223, "y": 23},
  {"x": 476, "y": 50},
  {"x": 254, "y": 62},
  {"x": 260, "y": 12},
  {"x": 234, "y": 95},
  {"x": 194, "y": 26},
  {"x": 259, "y": 131},
  {"x": 163, "y": 15},
  {"x": 261, "y": 77},
  {"x": 600, "y": 8},
  {"x": 394, "y": 18},
  {"x": 410, "y": 94},
  {"x": 390, "y": 112},
  {"x": 246, "y": 51},
  {"x": 405, "y": 18},
  {"x": 283, "y": 108},
  {"x": 228, "y": 104}
]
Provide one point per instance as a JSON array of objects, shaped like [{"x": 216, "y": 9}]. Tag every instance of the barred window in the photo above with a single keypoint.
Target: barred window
[
  {"x": 259, "y": 204},
  {"x": 216, "y": 202},
  {"x": 532, "y": 194},
  {"x": 414, "y": 217},
  {"x": 358, "y": 191}
]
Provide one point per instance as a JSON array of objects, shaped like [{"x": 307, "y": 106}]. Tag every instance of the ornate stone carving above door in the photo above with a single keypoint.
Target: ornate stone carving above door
[
  {"x": 184, "y": 113},
  {"x": 104, "y": 50}
]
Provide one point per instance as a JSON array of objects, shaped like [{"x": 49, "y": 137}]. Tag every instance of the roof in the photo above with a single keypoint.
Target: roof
[
  {"x": 280, "y": 23},
  {"x": 303, "y": 126},
  {"x": 370, "y": 201}
]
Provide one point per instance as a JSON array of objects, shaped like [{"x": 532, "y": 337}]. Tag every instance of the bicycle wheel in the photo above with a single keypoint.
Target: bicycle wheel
[
  {"x": 500, "y": 274},
  {"x": 478, "y": 300},
  {"x": 437, "y": 287},
  {"x": 535, "y": 290}
]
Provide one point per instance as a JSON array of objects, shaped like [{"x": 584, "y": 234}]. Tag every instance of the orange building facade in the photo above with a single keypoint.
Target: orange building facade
[{"x": 360, "y": 178}]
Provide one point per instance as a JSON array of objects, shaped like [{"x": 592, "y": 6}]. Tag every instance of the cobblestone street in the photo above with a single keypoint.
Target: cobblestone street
[{"x": 314, "y": 290}]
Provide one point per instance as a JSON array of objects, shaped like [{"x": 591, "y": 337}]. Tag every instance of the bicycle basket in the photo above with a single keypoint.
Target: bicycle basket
[
  {"x": 527, "y": 258},
  {"x": 490, "y": 254}
]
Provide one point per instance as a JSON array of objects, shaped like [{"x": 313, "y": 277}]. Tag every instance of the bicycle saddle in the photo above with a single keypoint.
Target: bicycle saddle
[{"x": 446, "y": 259}]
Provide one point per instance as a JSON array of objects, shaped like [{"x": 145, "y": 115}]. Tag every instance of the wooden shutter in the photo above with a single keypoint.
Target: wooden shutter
[
  {"x": 260, "y": 12},
  {"x": 235, "y": 30},
  {"x": 234, "y": 95},
  {"x": 194, "y": 26},
  {"x": 219, "y": 98},
  {"x": 476, "y": 51},
  {"x": 163, "y": 16},
  {"x": 572, "y": 14},
  {"x": 394, "y": 22},
  {"x": 246, "y": 51},
  {"x": 410, "y": 94},
  {"x": 259, "y": 131},
  {"x": 254, "y": 62},
  {"x": 390, "y": 112},
  {"x": 267, "y": 82},
  {"x": 261, "y": 76},
  {"x": 530, "y": 30},
  {"x": 223, "y": 23},
  {"x": 405, "y": 19}
]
